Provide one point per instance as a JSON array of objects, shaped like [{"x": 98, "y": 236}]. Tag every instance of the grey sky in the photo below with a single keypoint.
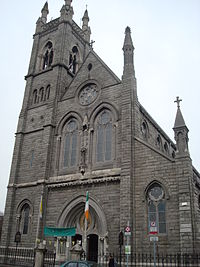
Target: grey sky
[{"x": 166, "y": 36}]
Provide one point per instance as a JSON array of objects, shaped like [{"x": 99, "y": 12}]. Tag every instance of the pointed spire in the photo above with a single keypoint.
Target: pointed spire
[
  {"x": 128, "y": 49},
  {"x": 128, "y": 40},
  {"x": 179, "y": 121},
  {"x": 181, "y": 132},
  {"x": 85, "y": 27},
  {"x": 45, "y": 12}
]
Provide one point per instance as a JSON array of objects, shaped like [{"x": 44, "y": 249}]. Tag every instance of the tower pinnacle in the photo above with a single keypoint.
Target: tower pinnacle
[
  {"x": 128, "y": 49},
  {"x": 67, "y": 11},
  {"x": 45, "y": 12},
  {"x": 85, "y": 27},
  {"x": 180, "y": 132},
  {"x": 68, "y": 2}
]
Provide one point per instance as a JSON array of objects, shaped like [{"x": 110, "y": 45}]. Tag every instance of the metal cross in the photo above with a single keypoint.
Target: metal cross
[
  {"x": 178, "y": 101},
  {"x": 91, "y": 43}
]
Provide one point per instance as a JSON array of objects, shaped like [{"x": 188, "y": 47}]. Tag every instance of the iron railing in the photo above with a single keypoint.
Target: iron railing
[
  {"x": 24, "y": 257},
  {"x": 147, "y": 260}
]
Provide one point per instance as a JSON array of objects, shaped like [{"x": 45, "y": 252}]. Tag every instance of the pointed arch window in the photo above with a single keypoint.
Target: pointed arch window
[
  {"x": 73, "y": 60},
  {"x": 35, "y": 96},
  {"x": 104, "y": 137},
  {"x": 48, "y": 56},
  {"x": 47, "y": 92},
  {"x": 70, "y": 144},
  {"x": 156, "y": 208},
  {"x": 25, "y": 213},
  {"x": 41, "y": 94}
]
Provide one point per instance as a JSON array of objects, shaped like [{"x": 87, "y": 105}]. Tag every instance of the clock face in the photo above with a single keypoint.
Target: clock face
[{"x": 88, "y": 94}]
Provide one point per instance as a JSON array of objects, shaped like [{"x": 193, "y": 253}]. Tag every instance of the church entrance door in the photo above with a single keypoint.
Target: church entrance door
[{"x": 92, "y": 247}]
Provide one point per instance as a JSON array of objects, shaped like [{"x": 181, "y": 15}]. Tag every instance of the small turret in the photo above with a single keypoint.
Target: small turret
[
  {"x": 67, "y": 11},
  {"x": 45, "y": 12},
  {"x": 85, "y": 27},
  {"x": 180, "y": 132},
  {"x": 43, "y": 19},
  {"x": 128, "y": 49}
]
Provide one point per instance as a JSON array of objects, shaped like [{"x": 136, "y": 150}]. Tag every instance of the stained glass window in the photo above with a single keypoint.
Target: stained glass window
[
  {"x": 25, "y": 218},
  {"x": 156, "y": 208},
  {"x": 104, "y": 137},
  {"x": 70, "y": 144}
]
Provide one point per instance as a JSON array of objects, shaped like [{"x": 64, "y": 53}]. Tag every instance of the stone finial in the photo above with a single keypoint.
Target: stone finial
[
  {"x": 85, "y": 27},
  {"x": 128, "y": 49},
  {"x": 128, "y": 40},
  {"x": 45, "y": 12},
  {"x": 180, "y": 132},
  {"x": 67, "y": 11}
]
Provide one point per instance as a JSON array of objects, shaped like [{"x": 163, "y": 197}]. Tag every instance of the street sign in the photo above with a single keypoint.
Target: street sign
[
  {"x": 127, "y": 249},
  {"x": 153, "y": 230},
  {"x": 127, "y": 231},
  {"x": 153, "y": 238}
]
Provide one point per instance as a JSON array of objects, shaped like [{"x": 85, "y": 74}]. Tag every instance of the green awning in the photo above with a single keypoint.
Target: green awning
[{"x": 53, "y": 231}]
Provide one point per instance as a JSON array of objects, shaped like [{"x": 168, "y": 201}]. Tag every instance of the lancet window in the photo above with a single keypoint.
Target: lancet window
[
  {"x": 104, "y": 136},
  {"x": 70, "y": 144},
  {"x": 48, "y": 56},
  {"x": 73, "y": 60},
  {"x": 24, "y": 219},
  {"x": 156, "y": 208}
]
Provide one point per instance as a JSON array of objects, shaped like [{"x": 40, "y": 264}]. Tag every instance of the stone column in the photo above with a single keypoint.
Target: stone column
[
  {"x": 76, "y": 252},
  {"x": 39, "y": 255}
]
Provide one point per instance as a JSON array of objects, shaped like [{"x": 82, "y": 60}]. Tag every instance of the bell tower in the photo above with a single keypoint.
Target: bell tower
[{"x": 60, "y": 47}]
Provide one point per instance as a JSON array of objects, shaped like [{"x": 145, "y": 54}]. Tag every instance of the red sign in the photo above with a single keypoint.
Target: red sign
[
  {"x": 153, "y": 228},
  {"x": 127, "y": 229}
]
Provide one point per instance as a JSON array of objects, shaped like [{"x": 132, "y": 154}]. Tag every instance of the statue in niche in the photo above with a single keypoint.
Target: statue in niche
[
  {"x": 85, "y": 127},
  {"x": 83, "y": 160}
]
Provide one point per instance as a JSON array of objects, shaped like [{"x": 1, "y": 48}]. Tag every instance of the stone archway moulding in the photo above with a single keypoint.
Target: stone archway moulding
[{"x": 80, "y": 201}]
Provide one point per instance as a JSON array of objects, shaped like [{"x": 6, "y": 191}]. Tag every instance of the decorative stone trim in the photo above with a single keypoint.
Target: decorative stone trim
[
  {"x": 84, "y": 182},
  {"x": 100, "y": 176}
]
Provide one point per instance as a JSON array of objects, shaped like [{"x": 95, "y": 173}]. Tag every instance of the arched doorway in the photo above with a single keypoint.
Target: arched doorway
[
  {"x": 92, "y": 247},
  {"x": 73, "y": 216}
]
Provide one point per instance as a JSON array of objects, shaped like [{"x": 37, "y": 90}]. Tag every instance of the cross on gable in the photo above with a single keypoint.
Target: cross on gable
[
  {"x": 178, "y": 101},
  {"x": 91, "y": 43}
]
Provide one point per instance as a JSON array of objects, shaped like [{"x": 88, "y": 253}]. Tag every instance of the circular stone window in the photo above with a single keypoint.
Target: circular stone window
[
  {"x": 155, "y": 192},
  {"x": 88, "y": 94}
]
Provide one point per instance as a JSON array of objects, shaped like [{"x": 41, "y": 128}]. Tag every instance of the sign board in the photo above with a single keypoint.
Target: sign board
[
  {"x": 153, "y": 230},
  {"x": 53, "y": 231},
  {"x": 153, "y": 238},
  {"x": 127, "y": 249},
  {"x": 127, "y": 231}
]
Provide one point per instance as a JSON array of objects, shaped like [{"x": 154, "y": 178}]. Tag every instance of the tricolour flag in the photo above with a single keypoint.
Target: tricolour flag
[
  {"x": 87, "y": 206},
  {"x": 40, "y": 207}
]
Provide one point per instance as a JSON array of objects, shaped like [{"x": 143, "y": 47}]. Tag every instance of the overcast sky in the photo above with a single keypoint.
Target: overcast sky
[{"x": 166, "y": 37}]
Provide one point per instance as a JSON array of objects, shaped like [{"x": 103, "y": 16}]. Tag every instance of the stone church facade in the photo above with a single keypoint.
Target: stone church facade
[{"x": 83, "y": 129}]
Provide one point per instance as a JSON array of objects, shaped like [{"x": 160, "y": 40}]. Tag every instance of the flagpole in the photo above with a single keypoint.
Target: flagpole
[
  {"x": 38, "y": 223},
  {"x": 86, "y": 222},
  {"x": 85, "y": 238}
]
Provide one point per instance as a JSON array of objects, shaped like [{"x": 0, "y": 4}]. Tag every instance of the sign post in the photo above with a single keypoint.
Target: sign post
[
  {"x": 127, "y": 233},
  {"x": 121, "y": 242},
  {"x": 153, "y": 231}
]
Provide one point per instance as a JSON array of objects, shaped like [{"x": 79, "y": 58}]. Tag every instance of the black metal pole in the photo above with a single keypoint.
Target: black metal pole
[{"x": 120, "y": 255}]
